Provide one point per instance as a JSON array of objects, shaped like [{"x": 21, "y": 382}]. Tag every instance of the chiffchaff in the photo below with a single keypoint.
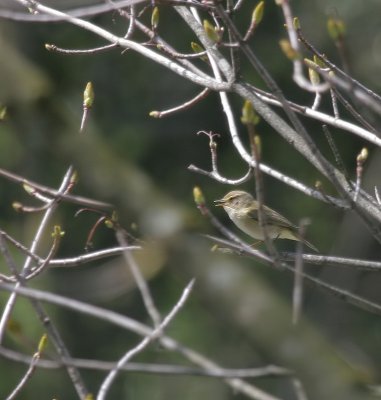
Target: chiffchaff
[{"x": 242, "y": 209}]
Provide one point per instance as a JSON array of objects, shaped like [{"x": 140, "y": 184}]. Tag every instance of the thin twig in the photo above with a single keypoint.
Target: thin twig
[
  {"x": 54, "y": 193},
  {"x": 353, "y": 112},
  {"x": 335, "y": 107},
  {"x": 342, "y": 294},
  {"x": 88, "y": 11},
  {"x": 298, "y": 75},
  {"x": 73, "y": 52},
  {"x": 146, "y": 368},
  {"x": 160, "y": 114},
  {"x": 27, "y": 376},
  {"x": 297, "y": 295},
  {"x": 141, "y": 329},
  {"x": 346, "y": 82},
  {"x": 322, "y": 117},
  {"x": 139, "y": 278},
  {"x": 334, "y": 261},
  {"x": 157, "y": 332},
  {"x": 335, "y": 151}
]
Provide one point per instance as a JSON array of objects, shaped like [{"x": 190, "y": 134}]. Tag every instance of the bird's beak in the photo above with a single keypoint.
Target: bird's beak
[{"x": 219, "y": 203}]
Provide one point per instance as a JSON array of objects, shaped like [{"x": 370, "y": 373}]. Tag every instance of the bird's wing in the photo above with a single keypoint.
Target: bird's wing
[{"x": 272, "y": 218}]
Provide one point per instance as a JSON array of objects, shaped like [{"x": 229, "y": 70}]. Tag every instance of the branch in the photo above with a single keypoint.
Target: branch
[
  {"x": 157, "y": 332},
  {"x": 139, "y": 328}
]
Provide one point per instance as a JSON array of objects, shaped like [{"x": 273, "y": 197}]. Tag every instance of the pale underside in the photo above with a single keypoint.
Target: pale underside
[{"x": 253, "y": 229}]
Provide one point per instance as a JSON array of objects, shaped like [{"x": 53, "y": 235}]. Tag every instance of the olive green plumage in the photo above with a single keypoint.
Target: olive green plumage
[{"x": 242, "y": 209}]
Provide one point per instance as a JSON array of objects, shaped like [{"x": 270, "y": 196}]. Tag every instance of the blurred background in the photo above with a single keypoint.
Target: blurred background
[{"x": 240, "y": 311}]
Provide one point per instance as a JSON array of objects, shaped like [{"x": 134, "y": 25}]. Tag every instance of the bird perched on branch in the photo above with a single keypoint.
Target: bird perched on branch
[{"x": 242, "y": 209}]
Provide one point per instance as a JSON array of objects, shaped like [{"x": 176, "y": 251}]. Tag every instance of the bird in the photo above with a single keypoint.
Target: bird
[{"x": 242, "y": 209}]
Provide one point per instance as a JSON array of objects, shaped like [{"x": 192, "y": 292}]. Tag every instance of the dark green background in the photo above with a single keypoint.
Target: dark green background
[{"x": 239, "y": 313}]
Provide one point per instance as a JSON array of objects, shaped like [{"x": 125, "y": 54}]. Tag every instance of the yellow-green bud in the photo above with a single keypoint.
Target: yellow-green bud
[
  {"x": 211, "y": 31},
  {"x": 314, "y": 76},
  {"x": 258, "y": 145},
  {"x": 88, "y": 95},
  {"x": 74, "y": 178},
  {"x": 50, "y": 47},
  {"x": 257, "y": 15},
  {"x": 196, "y": 47},
  {"x": 310, "y": 63},
  {"x": 155, "y": 18},
  {"x": 109, "y": 223},
  {"x": 17, "y": 206},
  {"x": 28, "y": 189},
  {"x": 154, "y": 114},
  {"x": 336, "y": 28},
  {"x": 296, "y": 23},
  {"x": 318, "y": 61},
  {"x": 198, "y": 196},
  {"x": 288, "y": 50},
  {"x": 3, "y": 113},
  {"x": 57, "y": 232},
  {"x": 249, "y": 116},
  {"x": 214, "y": 248},
  {"x": 14, "y": 327},
  {"x": 363, "y": 155},
  {"x": 42, "y": 343}
]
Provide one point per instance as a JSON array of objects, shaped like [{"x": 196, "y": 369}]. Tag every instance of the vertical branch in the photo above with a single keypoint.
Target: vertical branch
[
  {"x": 250, "y": 119},
  {"x": 156, "y": 333},
  {"x": 297, "y": 295},
  {"x": 139, "y": 278}
]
